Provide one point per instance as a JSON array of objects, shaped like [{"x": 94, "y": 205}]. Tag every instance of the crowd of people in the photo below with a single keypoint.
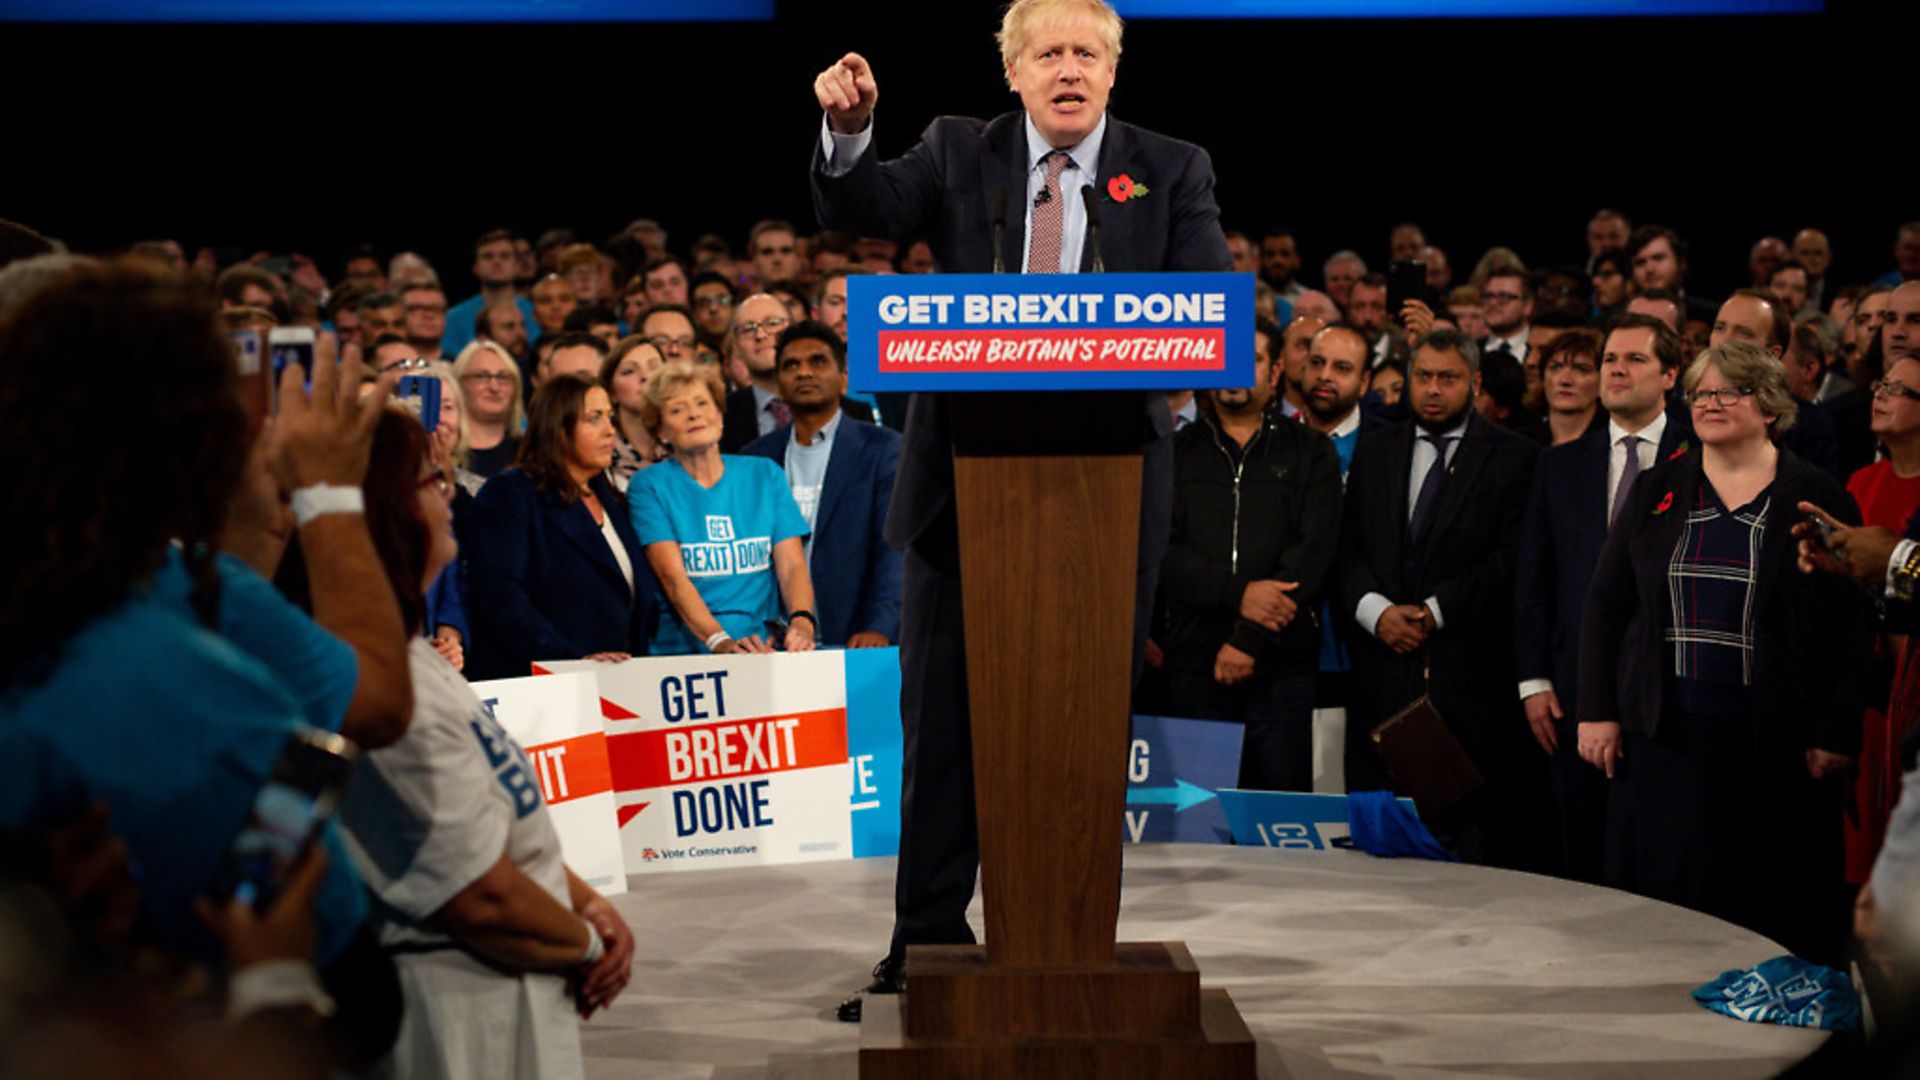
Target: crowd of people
[{"x": 1603, "y": 524}]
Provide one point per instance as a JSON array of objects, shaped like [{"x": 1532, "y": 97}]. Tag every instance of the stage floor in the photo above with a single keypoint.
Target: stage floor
[{"x": 1342, "y": 965}]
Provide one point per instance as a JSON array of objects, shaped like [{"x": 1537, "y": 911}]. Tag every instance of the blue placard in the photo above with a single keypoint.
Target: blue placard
[
  {"x": 874, "y": 748},
  {"x": 1289, "y": 819},
  {"x": 1174, "y": 767},
  {"x": 1049, "y": 331}
]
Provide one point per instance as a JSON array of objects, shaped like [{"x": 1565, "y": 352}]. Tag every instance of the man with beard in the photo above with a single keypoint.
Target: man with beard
[
  {"x": 1335, "y": 379},
  {"x": 1296, "y": 345},
  {"x": 506, "y": 326},
  {"x": 1256, "y": 508},
  {"x": 1428, "y": 551},
  {"x": 1280, "y": 264},
  {"x": 841, "y": 472}
]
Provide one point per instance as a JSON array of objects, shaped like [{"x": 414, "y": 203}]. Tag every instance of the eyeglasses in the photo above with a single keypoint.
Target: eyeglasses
[
  {"x": 716, "y": 300},
  {"x": 481, "y": 378},
  {"x": 1726, "y": 396},
  {"x": 772, "y": 324},
  {"x": 411, "y": 363},
  {"x": 671, "y": 344},
  {"x": 1891, "y": 388}
]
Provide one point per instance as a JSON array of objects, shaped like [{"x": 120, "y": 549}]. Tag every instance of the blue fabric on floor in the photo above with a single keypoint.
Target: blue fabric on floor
[
  {"x": 1785, "y": 990},
  {"x": 1381, "y": 824}
]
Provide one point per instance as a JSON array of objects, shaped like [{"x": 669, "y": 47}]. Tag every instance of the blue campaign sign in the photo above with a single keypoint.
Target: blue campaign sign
[
  {"x": 1290, "y": 819},
  {"x": 1174, "y": 767},
  {"x": 1049, "y": 331},
  {"x": 874, "y": 747}
]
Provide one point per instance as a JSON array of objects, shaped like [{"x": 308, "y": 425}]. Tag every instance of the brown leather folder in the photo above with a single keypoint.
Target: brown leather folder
[{"x": 1424, "y": 758}]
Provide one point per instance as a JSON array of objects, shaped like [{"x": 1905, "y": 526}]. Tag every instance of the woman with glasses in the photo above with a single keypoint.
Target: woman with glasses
[
  {"x": 555, "y": 571},
  {"x": 500, "y": 948},
  {"x": 490, "y": 393},
  {"x": 1720, "y": 689},
  {"x": 1888, "y": 492}
]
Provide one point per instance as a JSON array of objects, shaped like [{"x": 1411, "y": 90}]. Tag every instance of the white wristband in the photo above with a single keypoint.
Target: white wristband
[
  {"x": 596, "y": 945},
  {"x": 311, "y": 502},
  {"x": 714, "y": 639}
]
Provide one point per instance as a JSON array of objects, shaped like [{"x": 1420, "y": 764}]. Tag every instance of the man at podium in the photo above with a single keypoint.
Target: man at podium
[{"x": 1056, "y": 186}]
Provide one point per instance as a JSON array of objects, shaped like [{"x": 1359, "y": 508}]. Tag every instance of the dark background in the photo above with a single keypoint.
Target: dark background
[{"x": 1485, "y": 132}]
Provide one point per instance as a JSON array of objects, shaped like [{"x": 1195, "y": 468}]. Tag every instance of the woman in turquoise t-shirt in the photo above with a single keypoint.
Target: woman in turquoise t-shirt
[{"x": 721, "y": 532}]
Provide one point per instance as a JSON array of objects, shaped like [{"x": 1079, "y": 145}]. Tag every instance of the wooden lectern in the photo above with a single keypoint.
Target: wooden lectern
[{"x": 1049, "y": 545}]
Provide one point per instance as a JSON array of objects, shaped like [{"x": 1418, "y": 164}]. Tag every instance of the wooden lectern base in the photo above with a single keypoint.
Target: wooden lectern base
[{"x": 1143, "y": 1015}]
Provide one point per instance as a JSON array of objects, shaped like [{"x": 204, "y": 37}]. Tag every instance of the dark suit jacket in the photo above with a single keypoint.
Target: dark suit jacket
[
  {"x": 856, "y": 573},
  {"x": 1465, "y": 560},
  {"x": 943, "y": 191},
  {"x": 1814, "y": 439},
  {"x": 1565, "y": 527},
  {"x": 1813, "y": 632},
  {"x": 544, "y": 585},
  {"x": 739, "y": 425}
]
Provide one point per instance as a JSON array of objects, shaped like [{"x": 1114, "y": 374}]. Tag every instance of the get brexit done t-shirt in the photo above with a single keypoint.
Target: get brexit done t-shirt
[{"x": 726, "y": 535}]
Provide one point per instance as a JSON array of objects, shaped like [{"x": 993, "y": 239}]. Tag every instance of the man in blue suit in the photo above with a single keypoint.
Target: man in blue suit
[
  {"x": 841, "y": 471},
  {"x": 1576, "y": 488}
]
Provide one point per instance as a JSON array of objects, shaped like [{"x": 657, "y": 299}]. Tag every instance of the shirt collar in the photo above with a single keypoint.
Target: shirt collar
[
  {"x": 760, "y": 398},
  {"x": 823, "y": 437},
  {"x": 1652, "y": 432},
  {"x": 1517, "y": 344},
  {"x": 1348, "y": 426},
  {"x": 1085, "y": 153}
]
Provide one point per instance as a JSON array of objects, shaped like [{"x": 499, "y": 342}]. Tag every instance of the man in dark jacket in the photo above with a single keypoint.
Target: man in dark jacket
[{"x": 1256, "y": 518}]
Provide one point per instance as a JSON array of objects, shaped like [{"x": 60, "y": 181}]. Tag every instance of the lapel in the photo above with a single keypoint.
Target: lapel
[
  {"x": 1776, "y": 543},
  {"x": 576, "y": 524},
  {"x": 1397, "y": 444},
  {"x": 1003, "y": 167},
  {"x": 1684, "y": 484},
  {"x": 1116, "y": 150},
  {"x": 1476, "y": 444},
  {"x": 1589, "y": 490},
  {"x": 839, "y": 467}
]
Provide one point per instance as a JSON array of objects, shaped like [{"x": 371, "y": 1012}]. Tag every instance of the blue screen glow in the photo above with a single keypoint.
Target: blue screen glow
[
  {"x": 383, "y": 11},
  {"x": 1449, "y": 9}
]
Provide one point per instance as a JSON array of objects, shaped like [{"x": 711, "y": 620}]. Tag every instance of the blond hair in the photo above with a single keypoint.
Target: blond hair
[
  {"x": 674, "y": 378},
  {"x": 1017, "y": 25},
  {"x": 1749, "y": 367},
  {"x": 517, "y": 412}
]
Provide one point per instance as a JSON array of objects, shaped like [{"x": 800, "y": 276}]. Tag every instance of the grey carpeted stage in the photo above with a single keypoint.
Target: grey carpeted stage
[{"x": 1342, "y": 965}]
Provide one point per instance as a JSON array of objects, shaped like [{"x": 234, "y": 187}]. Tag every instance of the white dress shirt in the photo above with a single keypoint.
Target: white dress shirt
[
  {"x": 1647, "y": 449},
  {"x": 1371, "y": 606}
]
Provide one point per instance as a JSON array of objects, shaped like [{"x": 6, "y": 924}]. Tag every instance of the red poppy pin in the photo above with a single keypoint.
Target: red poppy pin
[
  {"x": 1666, "y": 504},
  {"x": 1123, "y": 187},
  {"x": 1679, "y": 451}
]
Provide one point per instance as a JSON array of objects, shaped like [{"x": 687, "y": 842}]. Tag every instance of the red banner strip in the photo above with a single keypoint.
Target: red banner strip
[{"x": 729, "y": 749}]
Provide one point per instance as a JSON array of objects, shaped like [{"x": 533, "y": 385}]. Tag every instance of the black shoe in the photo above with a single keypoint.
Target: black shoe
[{"x": 889, "y": 977}]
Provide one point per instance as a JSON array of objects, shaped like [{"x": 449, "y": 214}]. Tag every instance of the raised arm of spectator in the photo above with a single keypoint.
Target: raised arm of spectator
[
  {"x": 796, "y": 592},
  {"x": 321, "y": 448}
]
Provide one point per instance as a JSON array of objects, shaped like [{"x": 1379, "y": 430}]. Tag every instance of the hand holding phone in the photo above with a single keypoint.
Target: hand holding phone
[{"x": 289, "y": 812}]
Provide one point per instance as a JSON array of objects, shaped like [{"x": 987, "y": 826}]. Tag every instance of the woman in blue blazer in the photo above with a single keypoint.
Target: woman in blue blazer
[{"x": 555, "y": 569}]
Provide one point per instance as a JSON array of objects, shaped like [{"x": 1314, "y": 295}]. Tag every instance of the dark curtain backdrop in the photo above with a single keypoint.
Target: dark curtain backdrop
[{"x": 312, "y": 138}]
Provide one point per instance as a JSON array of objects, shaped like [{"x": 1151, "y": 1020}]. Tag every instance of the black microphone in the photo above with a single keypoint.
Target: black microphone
[
  {"x": 999, "y": 228},
  {"x": 1093, "y": 228}
]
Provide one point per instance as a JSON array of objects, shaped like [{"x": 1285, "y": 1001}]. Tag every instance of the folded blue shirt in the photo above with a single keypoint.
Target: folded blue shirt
[{"x": 1785, "y": 990}]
